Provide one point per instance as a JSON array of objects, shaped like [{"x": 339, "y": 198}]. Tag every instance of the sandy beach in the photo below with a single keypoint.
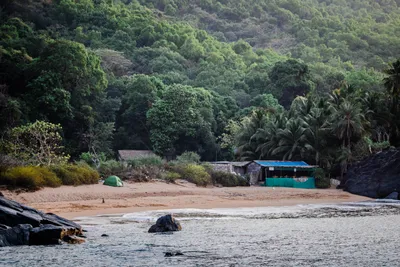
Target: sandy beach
[{"x": 87, "y": 200}]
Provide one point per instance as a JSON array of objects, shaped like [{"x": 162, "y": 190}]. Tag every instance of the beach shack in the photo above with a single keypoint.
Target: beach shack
[{"x": 297, "y": 174}]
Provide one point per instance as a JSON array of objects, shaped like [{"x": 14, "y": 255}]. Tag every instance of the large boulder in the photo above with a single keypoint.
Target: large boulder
[
  {"x": 22, "y": 225},
  {"x": 12, "y": 213},
  {"x": 15, "y": 236},
  {"x": 165, "y": 223},
  {"x": 376, "y": 176}
]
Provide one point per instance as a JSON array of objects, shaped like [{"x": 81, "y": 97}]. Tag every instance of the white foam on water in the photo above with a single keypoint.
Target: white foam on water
[{"x": 232, "y": 213}]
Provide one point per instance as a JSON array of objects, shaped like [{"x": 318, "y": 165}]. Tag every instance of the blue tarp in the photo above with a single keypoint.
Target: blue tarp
[{"x": 290, "y": 164}]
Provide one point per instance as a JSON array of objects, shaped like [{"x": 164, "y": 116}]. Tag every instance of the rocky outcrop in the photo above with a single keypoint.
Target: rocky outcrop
[
  {"x": 22, "y": 225},
  {"x": 165, "y": 223},
  {"x": 376, "y": 176}
]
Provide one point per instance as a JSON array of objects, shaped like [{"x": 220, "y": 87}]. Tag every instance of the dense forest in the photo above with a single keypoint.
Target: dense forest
[{"x": 284, "y": 79}]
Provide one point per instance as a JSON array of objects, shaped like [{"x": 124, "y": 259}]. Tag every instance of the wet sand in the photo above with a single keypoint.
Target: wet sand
[{"x": 87, "y": 200}]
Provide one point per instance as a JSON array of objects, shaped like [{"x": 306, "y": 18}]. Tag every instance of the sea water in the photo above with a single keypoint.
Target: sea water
[{"x": 350, "y": 234}]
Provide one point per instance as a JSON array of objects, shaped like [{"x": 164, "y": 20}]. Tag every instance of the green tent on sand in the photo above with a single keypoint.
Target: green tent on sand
[{"x": 113, "y": 181}]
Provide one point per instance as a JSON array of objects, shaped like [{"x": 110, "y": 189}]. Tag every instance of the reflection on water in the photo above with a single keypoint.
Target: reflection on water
[{"x": 352, "y": 234}]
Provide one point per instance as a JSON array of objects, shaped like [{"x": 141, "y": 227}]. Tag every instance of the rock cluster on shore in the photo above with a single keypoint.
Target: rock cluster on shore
[
  {"x": 22, "y": 225},
  {"x": 376, "y": 176}
]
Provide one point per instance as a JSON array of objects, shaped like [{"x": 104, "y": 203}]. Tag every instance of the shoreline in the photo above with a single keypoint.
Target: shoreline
[{"x": 87, "y": 200}]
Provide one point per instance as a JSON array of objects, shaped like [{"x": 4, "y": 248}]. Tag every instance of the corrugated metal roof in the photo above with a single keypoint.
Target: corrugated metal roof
[
  {"x": 289, "y": 164},
  {"x": 132, "y": 154},
  {"x": 240, "y": 163}
]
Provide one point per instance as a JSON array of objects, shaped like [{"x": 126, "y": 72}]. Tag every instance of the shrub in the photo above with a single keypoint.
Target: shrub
[
  {"x": 92, "y": 159},
  {"x": 141, "y": 174},
  {"x": 321, "y": 181},
  {"x": 208, "y": 167},
  {"x": 111, "y": 167},
  {"x": 188, "y": 157},
  {"x": 71, "y": 174},
  {"x": 171, "y": 177},
  {"x": 227, "y": 179},
  {"x": 146, "y": 161},
  {"x": 29, "y": 177},
  {"x": 194, "y": 173}
]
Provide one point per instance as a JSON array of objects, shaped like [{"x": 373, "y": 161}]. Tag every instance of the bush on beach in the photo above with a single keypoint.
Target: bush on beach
[
  {"x": 227, "y": 179},
  {"x": 76, "y": 174},
  {"x": 193, "y": 173},
  {"x": 29, "y": 177}
]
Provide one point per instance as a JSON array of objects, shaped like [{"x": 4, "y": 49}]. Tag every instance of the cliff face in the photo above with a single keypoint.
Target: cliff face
[{"x": 376, "y": 176}]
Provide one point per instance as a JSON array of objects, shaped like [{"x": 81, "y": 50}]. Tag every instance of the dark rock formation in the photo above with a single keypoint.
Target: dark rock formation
[
  {"x": 165, "y": 223},
  {"x": 47, "y": 235},
  {"x": 173, "y": 254},
  {"x": 104, "y": 235},
  {"x": 15, "y": 236},
  {"x": 376, "y": 176},
  {"x": 22, "y": 225},
  {"x": 394, "y": 196}
]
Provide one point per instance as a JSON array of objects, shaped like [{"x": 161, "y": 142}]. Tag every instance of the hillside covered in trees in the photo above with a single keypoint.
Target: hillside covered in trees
[
  {"x": 363, "y": 32},
  {"x": 134, "y": 75}
]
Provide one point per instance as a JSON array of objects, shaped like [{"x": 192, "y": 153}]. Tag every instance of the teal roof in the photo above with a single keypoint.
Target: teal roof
[{"x": 287, "y": 164}]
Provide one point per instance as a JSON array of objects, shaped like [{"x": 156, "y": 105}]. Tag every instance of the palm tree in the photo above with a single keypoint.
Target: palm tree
[
  {"x": 392, "y": 83},
  {"x": 246, "y": 141},
  {"x": 316, "y": 133},
  {"x": 268, "y": 136},
  {"x": 347, "y": 123},
  {"x": 292, "y": 140}
]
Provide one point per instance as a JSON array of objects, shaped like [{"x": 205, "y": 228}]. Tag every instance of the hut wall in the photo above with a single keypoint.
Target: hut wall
[
  {"x": 222, "y": 167},
  {"x": 239, "y": 170},
  {"x": 254, "y": 170}
]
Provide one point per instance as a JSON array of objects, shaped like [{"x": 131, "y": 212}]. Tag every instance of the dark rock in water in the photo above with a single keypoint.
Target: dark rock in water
[
  {"x": 173, "y": 254},
  {"x": 15, "y": 236},
  {"x": 104, "y": 235},
  {"x": 376, "y": 176},
  {"x": 12, "y": 213},
  {"x": 394, "y": 196},
  {"x": 22, "y": 225},
  {"x": 165, "y": 223},
  {"x": 47, "y": 235}
]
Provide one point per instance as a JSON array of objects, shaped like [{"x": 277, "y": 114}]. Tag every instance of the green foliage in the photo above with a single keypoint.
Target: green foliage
[
  {"x": 182, "y": 117},
  {"x": 321, "y": 181},
  {"x": 227, "y": 179},
  {"x": 92, "y": 159},
  {"x": 188, "y": 157},
  {"x": 194, "y": 173},
  {"x": 71, "y": 174},
  {"x": 118, "y": 75},
  {"x": 111, "y": 167},
  {"x": 146, "y": 161},
  {"x": 37, "y": 143},
  {"x": 314, "y": 31},
  {"x": 171, "y": 177},
  {"x": 29, "y": 177}
]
